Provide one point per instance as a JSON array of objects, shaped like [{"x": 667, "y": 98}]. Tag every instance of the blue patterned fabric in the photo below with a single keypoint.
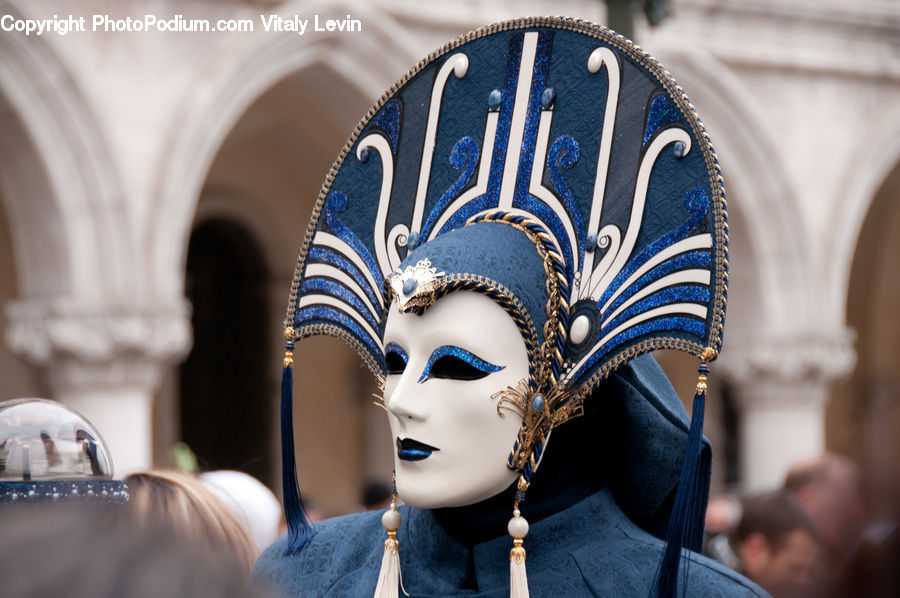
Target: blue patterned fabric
[
  {"x": 588, "y": 549},
  {"x": 497, "y": 252}
]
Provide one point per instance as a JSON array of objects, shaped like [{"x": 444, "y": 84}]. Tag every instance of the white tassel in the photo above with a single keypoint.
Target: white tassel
[
  {"x": 518, "y": 579},
  {"x": 389, "y": 576}
]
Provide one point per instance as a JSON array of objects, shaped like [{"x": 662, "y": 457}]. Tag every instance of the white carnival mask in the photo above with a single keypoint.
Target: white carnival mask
[{"x": 451, "y": 441}]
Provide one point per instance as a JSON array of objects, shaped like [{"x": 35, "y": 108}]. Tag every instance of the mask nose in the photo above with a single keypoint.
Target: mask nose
[{"x": 405, "y": 400}]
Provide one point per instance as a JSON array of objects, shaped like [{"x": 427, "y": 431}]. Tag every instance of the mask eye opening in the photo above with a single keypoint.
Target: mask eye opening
[
  {"x": 454, "y": 363},
  {"x": 395, "y": 359}
]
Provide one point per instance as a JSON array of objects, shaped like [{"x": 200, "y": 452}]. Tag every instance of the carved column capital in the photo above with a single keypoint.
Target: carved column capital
[
  {"x": 87, "y": 345},
  {"x": 793, "y": 369}
]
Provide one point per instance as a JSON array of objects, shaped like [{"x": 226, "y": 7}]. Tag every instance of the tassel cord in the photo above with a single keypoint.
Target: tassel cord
[
  {"x": 299, "y": 527},
  {"x": 683, "y": 518},
  {"x": 390, "y": 577},
  {"x": 518, "y": 529}
]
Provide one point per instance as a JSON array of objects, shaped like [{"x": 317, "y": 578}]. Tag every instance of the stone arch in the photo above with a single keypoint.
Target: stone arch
[
  {"x": 876, "y": 158},
  {"x": 229, "y": 87},
  {"x": 765, "y": 221},
  {"x": 61, "y": 190},
  {"x": 864, "y": 411}
]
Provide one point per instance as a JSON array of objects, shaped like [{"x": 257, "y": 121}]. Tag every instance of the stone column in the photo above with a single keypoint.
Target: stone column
[
  {"x": 782, "y": 387},
  {"x": 104, "y": 361}
]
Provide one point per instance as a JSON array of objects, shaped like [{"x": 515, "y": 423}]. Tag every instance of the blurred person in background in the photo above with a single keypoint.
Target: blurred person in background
[
  {"x": 777, "y": 544},
  {"x": 63, "y": 551},
  {"x": 251, "y": 502},
  {"x": 830, "y": 489},
  {"x": 179, "y": 504},
  {"x": 722, "y": 515},
  {"x": 873, "y": 570}
]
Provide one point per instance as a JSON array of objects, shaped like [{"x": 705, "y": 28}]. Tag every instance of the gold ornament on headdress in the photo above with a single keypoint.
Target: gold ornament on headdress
[{"x": 416, "y": 285}]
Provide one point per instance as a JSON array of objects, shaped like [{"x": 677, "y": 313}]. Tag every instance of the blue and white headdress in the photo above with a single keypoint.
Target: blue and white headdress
[{"x": 554, "y": 166}]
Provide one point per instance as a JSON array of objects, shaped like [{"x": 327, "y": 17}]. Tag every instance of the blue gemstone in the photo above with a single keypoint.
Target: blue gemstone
[
  {"x": 364, "y": 155},
  {"x": 537, "y": 403},
  {"x": 678, "y": 149},
  {"x": 548, "y": 98},
  {"x": 494, "y": 99},
  {"x": 409, "y": 286},
  {"x": 590, "y": 243},
  {"x": 413, "y": 240}
]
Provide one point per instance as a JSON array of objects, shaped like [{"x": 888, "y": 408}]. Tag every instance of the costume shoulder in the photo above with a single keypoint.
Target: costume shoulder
[
  {"x": 342, "y": 558},
  {"x": 635, "y": 566},
  {"x": 634, "y": 556}
]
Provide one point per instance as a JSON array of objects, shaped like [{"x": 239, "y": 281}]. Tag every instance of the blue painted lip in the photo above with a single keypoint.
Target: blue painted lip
[{"x": 413, "y": 450}]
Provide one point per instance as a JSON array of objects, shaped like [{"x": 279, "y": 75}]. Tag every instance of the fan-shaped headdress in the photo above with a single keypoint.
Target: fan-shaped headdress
[{"x": 561, "y": 146}]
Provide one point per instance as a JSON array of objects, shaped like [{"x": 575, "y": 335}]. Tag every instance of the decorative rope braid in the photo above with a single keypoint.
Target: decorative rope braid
[
  {"x": 557, "y": 308},
  {"x": 375, "y": 364},
  {"x": 540, "y": 401},
  {"x": 530, "y": 465}
]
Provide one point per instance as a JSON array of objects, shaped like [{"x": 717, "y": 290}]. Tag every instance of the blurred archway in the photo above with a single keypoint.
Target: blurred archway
[
  {"x": 864, "y": 412},
  {"x": 225, "y": 407}
]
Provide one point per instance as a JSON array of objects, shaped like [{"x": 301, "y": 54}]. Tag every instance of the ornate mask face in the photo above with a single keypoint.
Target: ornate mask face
[{"x": 451, "y": 439}]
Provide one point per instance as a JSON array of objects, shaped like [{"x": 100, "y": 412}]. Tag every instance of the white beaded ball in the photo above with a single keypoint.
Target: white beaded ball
[
  {"x": 391, "y": 519},
  {"x": 517, "y": 527}
]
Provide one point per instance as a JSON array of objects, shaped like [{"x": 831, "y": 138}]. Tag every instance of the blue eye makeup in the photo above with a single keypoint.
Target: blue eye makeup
[
  {"x": 454, "y": 363},
  {"x": 395, "y": 359}
]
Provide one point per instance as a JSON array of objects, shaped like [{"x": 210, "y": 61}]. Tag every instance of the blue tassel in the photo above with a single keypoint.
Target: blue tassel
[
  {"x": 683, "y": 519},
  {"x": 299, "y": 527}
]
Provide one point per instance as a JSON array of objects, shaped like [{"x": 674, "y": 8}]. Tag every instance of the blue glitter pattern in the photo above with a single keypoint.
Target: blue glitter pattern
[
  {"x": 389, "y": 121},
  {"x": 699, "y": 258},
  {"x": 501, "y": 139},
  {"x": 662, "y": 112},
  {"x": 335, "y": 289},
  {"x": 326, "y": 255},
  {"x": 452, "y": 351},
  {"x": 521, "y": 198},
  {"x": 336, "y": 203},
  {"x": 564, "y": 153},
  {"x": 680, "y": 294},
  {"x": 667, "y": 323},
  {"x": 697, "y": 203},
  {"x": 395, "y": 348},
  {"x": 463, "y": 156},
  {"x": 533, "y": 114}
]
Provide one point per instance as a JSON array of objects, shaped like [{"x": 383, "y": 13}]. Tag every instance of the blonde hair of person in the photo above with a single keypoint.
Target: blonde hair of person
[{"x": 180, "y": 504}]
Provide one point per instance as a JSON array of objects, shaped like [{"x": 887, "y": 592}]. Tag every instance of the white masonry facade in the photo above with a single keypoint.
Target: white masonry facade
[{"x": 116, "y": 145}]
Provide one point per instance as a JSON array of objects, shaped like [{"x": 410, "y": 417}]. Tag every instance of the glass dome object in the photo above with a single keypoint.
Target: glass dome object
[{"x": 44, "y": 441}]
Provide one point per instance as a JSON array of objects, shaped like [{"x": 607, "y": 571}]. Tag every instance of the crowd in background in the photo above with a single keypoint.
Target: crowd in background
[
  {"x": 181, "y": 534},
  {"x": 810, "y": 538}
]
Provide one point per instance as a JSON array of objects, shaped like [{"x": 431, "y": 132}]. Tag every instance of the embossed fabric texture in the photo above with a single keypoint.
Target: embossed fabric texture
[
  {"x": 497, "y": 252},
  {"x": 589, "y": 549}
]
